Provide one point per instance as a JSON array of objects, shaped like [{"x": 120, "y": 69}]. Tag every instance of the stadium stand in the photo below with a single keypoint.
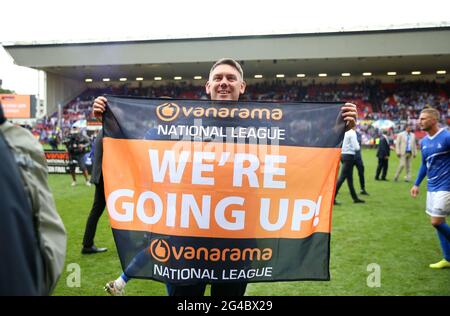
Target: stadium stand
[{"x": 399, "y": 102}]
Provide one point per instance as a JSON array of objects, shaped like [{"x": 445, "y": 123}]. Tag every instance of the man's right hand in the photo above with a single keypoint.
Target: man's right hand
[
  {"x": 349, "y": 114},
  {"x": 99, "y": 107},
  {"x": 414, "y": 191}
]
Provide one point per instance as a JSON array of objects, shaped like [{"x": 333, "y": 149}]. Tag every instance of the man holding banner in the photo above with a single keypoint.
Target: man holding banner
[{"x": 197, "y": 192}]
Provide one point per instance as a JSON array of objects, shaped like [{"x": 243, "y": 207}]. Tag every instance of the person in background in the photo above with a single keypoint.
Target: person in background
[
  {"x": 383, "y": 157},
  {"x": 99, "y": 203},
  {"x": 33, "y": 238},
  {"x": 53, "y": 140},
  {"x": 405, "y": 147},
  {"x": 349, "y": 147},
  {"x": 360, "y": 165},
  {"x": 77, "y": 145},
  {"x": 435, "y": 148},
  {"x": 19, "y": 274}
]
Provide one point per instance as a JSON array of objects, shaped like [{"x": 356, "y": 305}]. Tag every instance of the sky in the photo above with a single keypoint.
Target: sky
[{"x": 49, "y": 21}]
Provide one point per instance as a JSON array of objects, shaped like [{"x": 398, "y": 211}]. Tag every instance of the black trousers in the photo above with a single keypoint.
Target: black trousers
[
  {"x": 348, "y": 161},
  {"x": 217, "y": 289},
  {"x": 382, "y": 168},
  {"x": 360, "y": 167},
  {"x": 97, "y": 209}
]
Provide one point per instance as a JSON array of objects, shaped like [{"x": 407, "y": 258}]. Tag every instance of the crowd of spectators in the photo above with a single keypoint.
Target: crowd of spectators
[{"x": 399, "y": 102}]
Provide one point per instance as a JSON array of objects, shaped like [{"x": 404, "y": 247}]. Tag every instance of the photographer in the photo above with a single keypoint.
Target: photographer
[{"x": 77, "y": 145}]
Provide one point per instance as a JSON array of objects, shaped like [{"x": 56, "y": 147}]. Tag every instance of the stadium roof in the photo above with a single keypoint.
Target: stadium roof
[{"x": 399, "y": 50}]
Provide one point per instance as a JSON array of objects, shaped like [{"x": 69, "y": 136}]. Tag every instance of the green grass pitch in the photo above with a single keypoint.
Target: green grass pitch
[{"x": 390, "y": 230}]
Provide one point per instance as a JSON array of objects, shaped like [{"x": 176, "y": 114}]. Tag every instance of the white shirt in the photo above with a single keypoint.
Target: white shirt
[{"x": 350, "y": 144}]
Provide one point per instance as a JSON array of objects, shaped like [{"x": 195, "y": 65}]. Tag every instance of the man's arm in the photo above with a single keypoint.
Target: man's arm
[{"x": 420, "y": 176}]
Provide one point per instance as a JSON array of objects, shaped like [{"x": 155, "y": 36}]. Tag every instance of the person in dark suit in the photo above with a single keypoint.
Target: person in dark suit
[
  {"x": 383, "y": 157},
  {"x": 99, "y": 203},
  {"x": 360, "y": 165}
]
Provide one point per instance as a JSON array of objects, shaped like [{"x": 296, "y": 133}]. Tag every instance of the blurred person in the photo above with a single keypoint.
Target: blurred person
[
  {"x": 349, "y": 147},
  {"x": 32, "y": 234},
  {"x": 225, "y": 82},
  {"x": 435, "y": 166},
  {"x": 99, "y": 203},
  {"x": 405, "y": 147},
  {"x": 360, "y": 165},
  {"x": 20, "y": 273},
  {"x": 53, "y": 140},
  {"x": 383, "y": 156},
  {"x": 77, "y": 145}
]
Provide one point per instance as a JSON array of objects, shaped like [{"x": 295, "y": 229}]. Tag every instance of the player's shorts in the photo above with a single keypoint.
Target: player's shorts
[{"x": 438, "y": 203}]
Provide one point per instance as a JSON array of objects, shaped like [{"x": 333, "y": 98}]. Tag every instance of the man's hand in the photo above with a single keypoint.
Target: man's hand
[
  {"x": 414, "y": 191},
  {"x": 99, "y": 107},
  {"x": 349, "y": 114}
]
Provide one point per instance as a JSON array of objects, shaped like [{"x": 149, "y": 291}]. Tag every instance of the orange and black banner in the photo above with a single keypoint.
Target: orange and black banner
[
  {"x": 18, "y": 106},
  {"x": 221, "y": 191},
  {"x": 57, "y": 161}
]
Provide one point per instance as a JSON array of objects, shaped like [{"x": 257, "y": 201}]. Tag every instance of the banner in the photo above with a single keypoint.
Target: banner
[
  {"x": 58, "y": 161},
  {"x": 221, "y": 191},
  {"x": 16, "y": 106}
]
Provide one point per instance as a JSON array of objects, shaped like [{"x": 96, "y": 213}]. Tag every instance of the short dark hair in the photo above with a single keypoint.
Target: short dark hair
[{"x": 228, "y": 61}]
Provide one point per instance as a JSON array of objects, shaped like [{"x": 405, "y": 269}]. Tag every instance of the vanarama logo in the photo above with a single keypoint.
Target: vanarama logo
[
  {"x": 161, "y": 251},
  {"x": 170, "y": 111}
]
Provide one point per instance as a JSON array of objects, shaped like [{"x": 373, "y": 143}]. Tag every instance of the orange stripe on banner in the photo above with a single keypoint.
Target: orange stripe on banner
[
  {"x": 15, "y": 106},
  {"x": 219, "y": 190}
]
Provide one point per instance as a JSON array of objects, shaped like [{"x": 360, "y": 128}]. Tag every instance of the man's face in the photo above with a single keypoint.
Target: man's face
[
  {"x": 225, "y": 83},
  {"x": 426, "y": 121}
]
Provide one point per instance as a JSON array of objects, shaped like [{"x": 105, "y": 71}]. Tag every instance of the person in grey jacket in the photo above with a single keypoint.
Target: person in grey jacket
[{"x": 99, "y": 203}]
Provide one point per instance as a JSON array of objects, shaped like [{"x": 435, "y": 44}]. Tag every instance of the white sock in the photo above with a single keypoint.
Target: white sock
[{"x": 120, "y": 283}]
